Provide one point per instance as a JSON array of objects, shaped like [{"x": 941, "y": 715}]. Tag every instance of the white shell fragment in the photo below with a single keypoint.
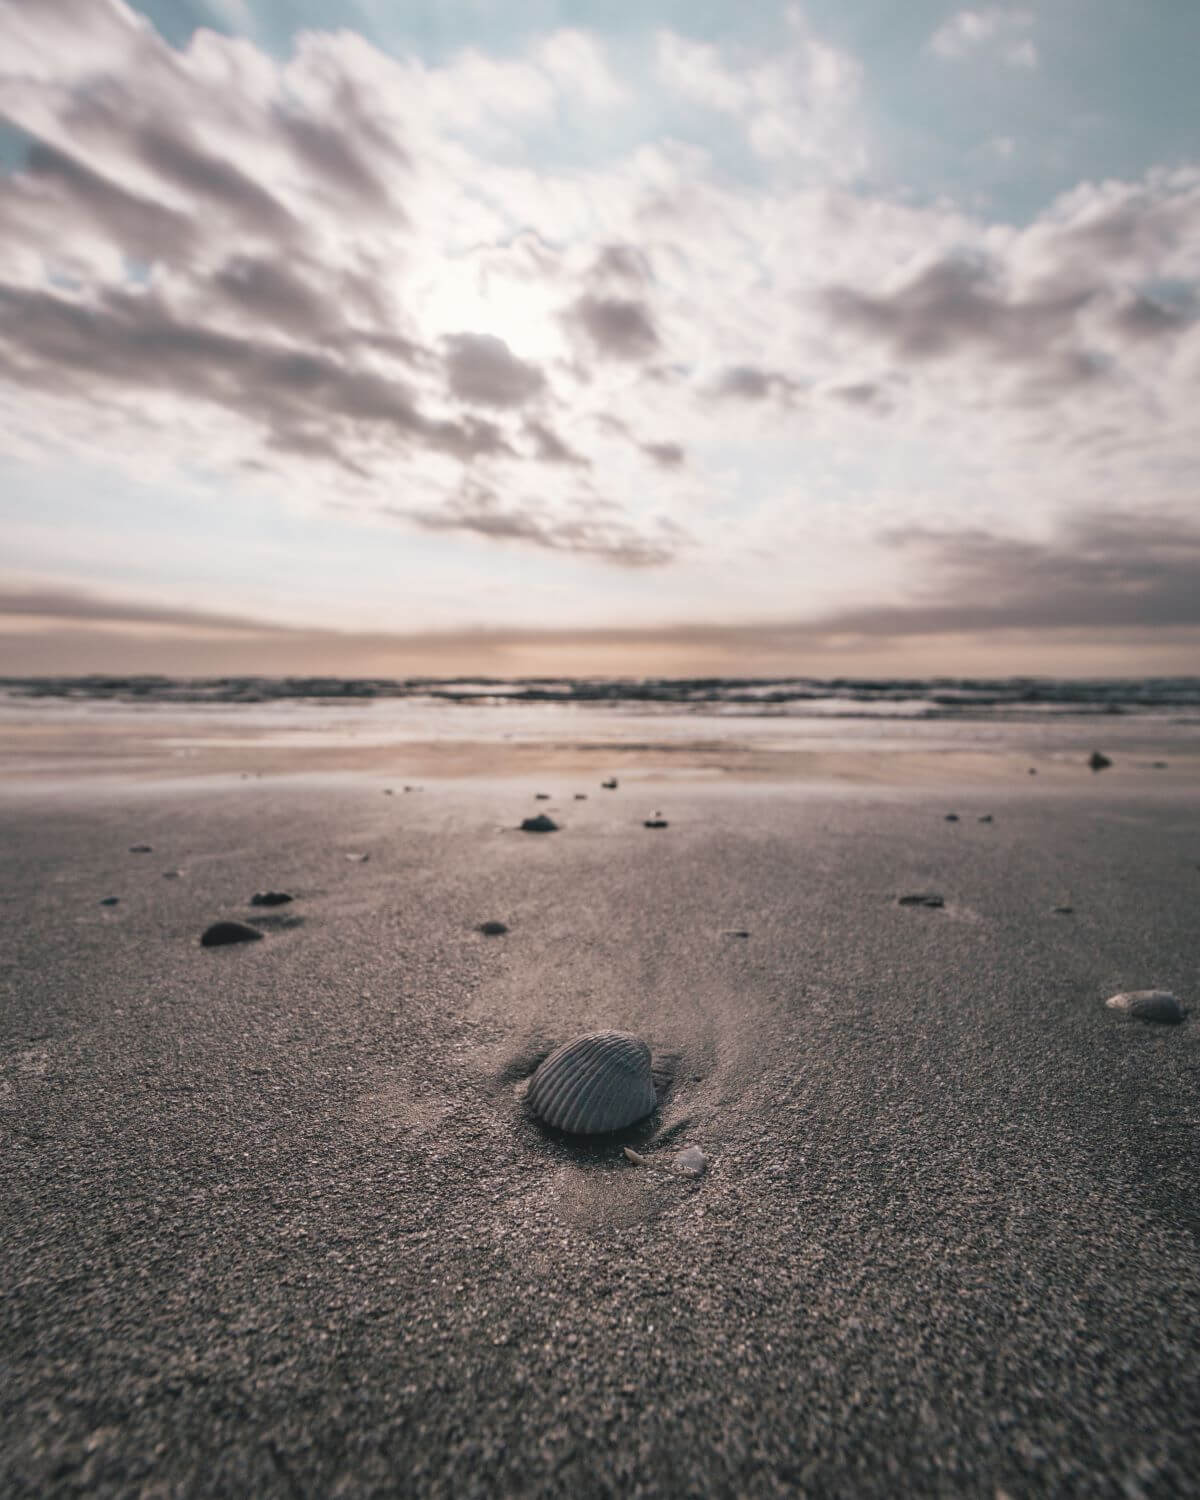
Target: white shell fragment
[
  {"x": 1148, "y": 1005},
  {"x": 594, "y": 1084},
  {"x": 636, "y": 1157},
  {"x": 691, "y": 1162}
]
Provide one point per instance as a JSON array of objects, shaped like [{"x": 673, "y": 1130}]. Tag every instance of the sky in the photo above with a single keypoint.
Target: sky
[{"x": 518, "y": 336}]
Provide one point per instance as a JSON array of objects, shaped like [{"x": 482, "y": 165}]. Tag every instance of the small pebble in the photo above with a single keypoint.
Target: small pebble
[
  {"x": 581, "y": 796},
  {"x": 738, "y": 932},
  {"x": 1148, "y": 1005},
  {"x": 1033, "y": 770},
  {"x": 610, "y": 785},
  {"x": 140, "y": 849},
  {"x": 985, "y": 818},
  {"x": 270, "y": 898},
  {"x": 109, "y": 900},
  {"x": 358, "y": 859},
  {"x": 921, "y": 898},
  {"x": 172, "y": 874},
  {"x": 387, "y": 791},
  {"x": 1158, "y": 765},
  {"x": 691, "y": 1162},
  {"x": 541, "y": 796},
  {"x": 492, "y": 929},
  {"x": 656, "y": 822},
  {"x": 1098, "y": 761},
  {"x": 1064, "y": 911},
  {"x": 540, "y": 824},
  {"x": 951, "y": 817},
  {"x": 221, "y": 933},
  {"x": 636, "y": 1157}
]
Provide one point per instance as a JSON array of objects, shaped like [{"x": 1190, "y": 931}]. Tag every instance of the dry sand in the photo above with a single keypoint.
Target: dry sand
[{"x": 274, "y": 1221}]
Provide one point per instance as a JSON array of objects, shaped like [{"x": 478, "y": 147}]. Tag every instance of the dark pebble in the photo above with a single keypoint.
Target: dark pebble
[
  {"x": 109, "y": 900},
  {"x": 1064, "y": 911},
  {"x": 581, "y": 796},
  {"x": 611, "y": 785},
  {"x": 1033, "y": 770},
  {"x": 656, "y": 823},
  {"x": 922, "y": 898},
  {"x": 358, "y": 859},
  {"x": 270, "y": 898},
  {"x": 492, "y": 929},
  {"x": 140, "y": 849},
  {"x": 221, "y": 933},
  {"x": 739, "y": 932},
  {"x": 1158, "y": 765},
  {"x": 1098, "y": 761},
  {"x": 986, "y": 818},
  {"x": 541, "y": 796},
  {"x": 172, "y": 874},
  {"x": 540, "y": 824},
  {"x": 951, "y": 817}
]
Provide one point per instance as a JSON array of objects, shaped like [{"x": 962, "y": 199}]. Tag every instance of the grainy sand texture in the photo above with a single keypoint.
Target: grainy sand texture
[{"x": 275, "y": 1219}]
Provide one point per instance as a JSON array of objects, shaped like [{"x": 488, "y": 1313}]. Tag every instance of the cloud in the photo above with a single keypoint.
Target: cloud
[
  {"x": 619, "y": 328},
  {"x": 996, "y": 30},
  {"x": 81, "y": 607},
  {"x": 484, "y": 371},
  {"x": 665, "y": 455},
  {"x": 588, "y": 527},
  {"x": 751, "y": 384}
]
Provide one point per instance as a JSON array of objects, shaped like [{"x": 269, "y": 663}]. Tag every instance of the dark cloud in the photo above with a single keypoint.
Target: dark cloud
[
  {"x": 214, "y": 180},
  {"x": 752, "y": 384},
  {"x": 135, "y": 340},
  {"x": 77, "y": 606},
  {"x": 551, "y": 449},
  {"x": 619, "y": 328},
  {"x": 592, "y": 529},
  {"x": 1143, "y": 317},
  {"x": 275, "y": 294},
  {"x": 138, "y": 225},
  {"x": 665, "y": 455},
  {"x": 336, "y": 160},
  {"x": 483, "y": 371},
  {"x": 952, "y": 305},
  {"x": 1101, "y": 572}
]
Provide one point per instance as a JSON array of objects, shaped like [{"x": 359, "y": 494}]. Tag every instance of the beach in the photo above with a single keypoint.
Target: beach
[{"x": 276, "y": 1220}]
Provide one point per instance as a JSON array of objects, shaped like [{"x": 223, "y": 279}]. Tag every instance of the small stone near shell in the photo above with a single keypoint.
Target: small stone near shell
[
  {"x": 921, "y": 898},
  {"x": 595, "y": 1084},
  {"x": 270, "y": 898},
  {"x": 540, "y": 824},
  {"x": 691, "y": 1162},
  {"x": 221, "y": 933},
  {"x": 1148, "y": 1005},
  {"x": 492, "y": 929},
  {"x": 1098, "y": 760}
]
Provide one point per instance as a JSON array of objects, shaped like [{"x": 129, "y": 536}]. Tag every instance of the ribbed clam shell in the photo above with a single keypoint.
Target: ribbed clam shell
[{"x": 594, "y": 1084}]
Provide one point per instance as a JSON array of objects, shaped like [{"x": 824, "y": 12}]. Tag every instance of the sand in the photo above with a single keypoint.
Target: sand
[{"x": 275, "y": 1221}]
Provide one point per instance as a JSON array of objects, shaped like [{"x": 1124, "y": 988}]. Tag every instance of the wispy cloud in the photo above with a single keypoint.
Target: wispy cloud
[{"x": 996, "y": 31}]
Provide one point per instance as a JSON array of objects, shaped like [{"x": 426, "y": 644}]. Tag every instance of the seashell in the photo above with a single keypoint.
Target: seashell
[
  {"x": 597, "y": 1083},
  {"x": 691, "y": 1162},
  {"x": 1148, "y": 1005},
  {"x": 636, "y": 1157},
  {"x": 270, "y": 898},
  {"x": 221, "y": 933},
  {"x": 540, "y": 824},
  {"x": 358, "y": 859}
]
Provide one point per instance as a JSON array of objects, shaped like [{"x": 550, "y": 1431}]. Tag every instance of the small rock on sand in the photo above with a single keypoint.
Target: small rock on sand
[
  {"x": 141, "y": 849},
  {"x": 691, "y": 1162},
  {"x": 109, "y": 900},
  {"x": 657, "y": 821},
  {"x": 539, "y": 824},
  {"x": 1147, "y": 1005},
  {"x": 951, "y": 817},
  {"x": 610, "y": 785},
  {"x": 541, "y": 796},
  {"x": 270, "y": 898},
  {"x": 921, "y": 898},
  {"x": 358, "y": 859},
  {"x": 581, "y": 796},
  {"x": 492, "y": 929},
  {"x": 985, "y": 817},
  {"x": 172, "y": 874},
  {"x": 221, "y": 933},
  {"x": 738, "y": 932},
  {"x": 1063, "y": 911},
  {"x": 1098, "y": 760}
]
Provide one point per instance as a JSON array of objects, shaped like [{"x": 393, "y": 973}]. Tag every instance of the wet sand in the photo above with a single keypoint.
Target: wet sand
[{"x": 275, "y": 1221}]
